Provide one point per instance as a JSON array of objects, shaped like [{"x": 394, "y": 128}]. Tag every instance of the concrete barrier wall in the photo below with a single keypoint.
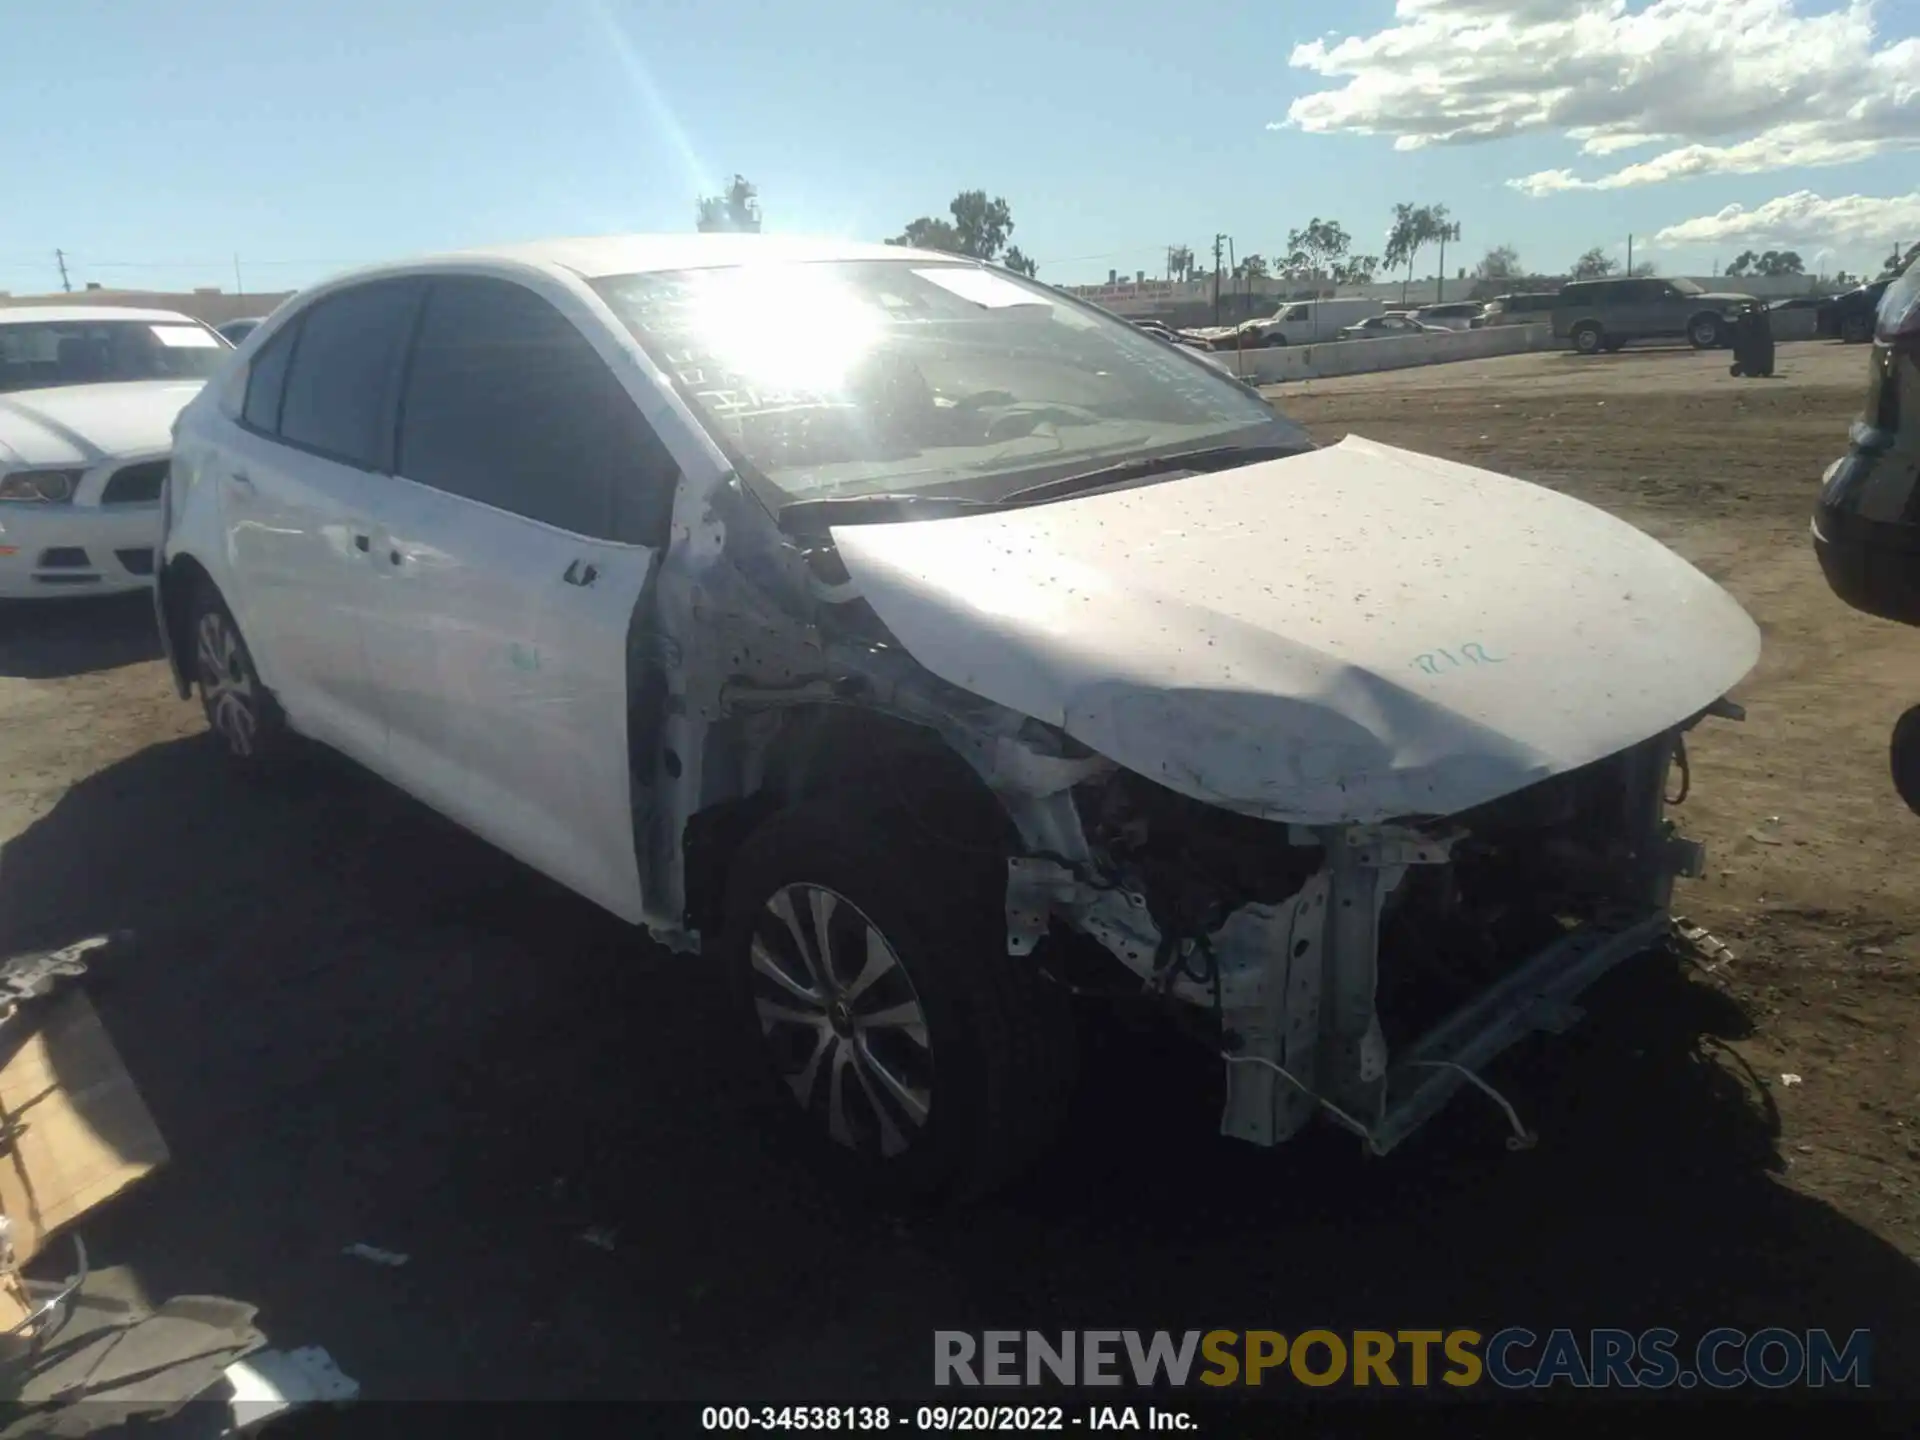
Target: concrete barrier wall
[{"x": 1360, "y": 357}]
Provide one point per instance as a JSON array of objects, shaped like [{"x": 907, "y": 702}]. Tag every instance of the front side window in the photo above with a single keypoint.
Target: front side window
[
  {"x": 508, "y": 404},
  {"x": 871, "y": 377},
  {"x": 267, "y": 381},
  {"x": 40, "y": 354},
  {"x": 340, "y": 373},
  {"x": 1297, "y": 312}
]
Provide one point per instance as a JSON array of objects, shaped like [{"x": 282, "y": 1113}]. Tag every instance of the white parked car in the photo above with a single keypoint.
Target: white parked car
[
  {"x": 1394, "y": 325},
  {"x": 1452, "y": 315},
  {"x": 916, "y": 642},
  {"x": 88, "y": 396}
]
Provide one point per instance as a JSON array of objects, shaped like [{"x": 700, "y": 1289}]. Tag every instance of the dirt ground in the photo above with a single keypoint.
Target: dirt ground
[{"x": 355, "y": 1024}]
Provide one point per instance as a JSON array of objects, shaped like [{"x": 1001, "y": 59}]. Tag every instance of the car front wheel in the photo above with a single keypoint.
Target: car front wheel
[
  {"x": 1703, "y": 332},
  {"x": 240, "y": 712},
  {"x": 906, "y": 1045},
  {"x": 1588, "y": 338}
]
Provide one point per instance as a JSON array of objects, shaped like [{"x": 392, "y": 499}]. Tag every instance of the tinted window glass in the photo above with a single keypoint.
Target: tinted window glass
[
  {"x": 342, "y": 371},
  {"x": 508, "y": 404},
  {"x": 267, "y": 379}
]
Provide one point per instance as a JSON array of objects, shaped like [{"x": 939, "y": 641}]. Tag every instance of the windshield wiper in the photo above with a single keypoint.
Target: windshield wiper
[
  {"x": 859, "y": 509},
  {"x": 1205, "y": 459},
  {"x": 856, "y": 509}
]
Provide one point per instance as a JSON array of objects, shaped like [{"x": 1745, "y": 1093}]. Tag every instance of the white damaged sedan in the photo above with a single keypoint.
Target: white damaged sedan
[
  {"x": 926, "y": 649},
  {"x": 88, "y": 397}
]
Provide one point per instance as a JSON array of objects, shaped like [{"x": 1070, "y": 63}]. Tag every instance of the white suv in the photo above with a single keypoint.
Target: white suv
[{"x": 922, "y": 645}]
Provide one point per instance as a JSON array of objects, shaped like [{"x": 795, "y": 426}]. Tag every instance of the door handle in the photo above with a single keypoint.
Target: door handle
[
  {"x": 581, "y": 573},
  {"x": 240, "y": 480}
]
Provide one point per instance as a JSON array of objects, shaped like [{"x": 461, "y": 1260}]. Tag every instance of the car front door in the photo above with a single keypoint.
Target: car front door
[
  {"x": 296, "y": 486},
  {"x": 530, "y": 501}
]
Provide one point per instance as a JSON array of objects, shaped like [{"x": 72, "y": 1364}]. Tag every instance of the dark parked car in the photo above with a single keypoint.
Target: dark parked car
[
  {"x": 1866, "y": 526},
  {"x": 1850, "y": 315},
  {"x": 1598, "y": 315}
]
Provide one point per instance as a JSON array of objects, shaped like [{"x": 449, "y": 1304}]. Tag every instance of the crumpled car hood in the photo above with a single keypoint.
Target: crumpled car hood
[
  {"x": 1349, "y": 635},
  {"x": 85, "y": 424}
]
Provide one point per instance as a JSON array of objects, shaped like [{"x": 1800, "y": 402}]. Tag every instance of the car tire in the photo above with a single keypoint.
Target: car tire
[
  {"x": 1856, "y": 329},
  {"x": 1705, "y": 332},
  {"x": 1588, "y": 338},
  {"x": 1904, "y": 758},
  {"x": 928, "y": 1064},
  {"x": 242, "y": 714},
  {"x": 1274, "y": 342}
]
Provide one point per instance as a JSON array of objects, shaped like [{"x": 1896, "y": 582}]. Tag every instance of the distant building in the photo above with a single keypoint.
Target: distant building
[{"x": 210, "y": 304}]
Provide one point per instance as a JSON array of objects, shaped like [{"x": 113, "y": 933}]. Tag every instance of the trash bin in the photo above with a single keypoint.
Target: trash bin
[{"x": 1752, "y": 342}]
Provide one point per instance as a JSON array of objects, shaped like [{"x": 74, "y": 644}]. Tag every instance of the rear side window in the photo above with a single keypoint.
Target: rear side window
[
  {"x": 341, "y": 372},
  {"x": 267, "y": 381},
  {"x": 508, "y": 404}
]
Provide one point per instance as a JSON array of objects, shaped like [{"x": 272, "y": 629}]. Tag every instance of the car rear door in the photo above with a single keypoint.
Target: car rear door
[
  {"x": 529, "y": 503},
  {"x": 295, "y": 490}
]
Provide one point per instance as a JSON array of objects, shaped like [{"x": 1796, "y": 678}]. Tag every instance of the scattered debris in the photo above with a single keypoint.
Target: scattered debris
[
  {"x": 601, "y": 1237},
  {"x": 1764, "y": 832},
  {"x": 1789, "y": 1079},
  {"x": 271, "y": 1382},
  {"x": 375, "y": 1254},
  {"x": 1704, "y": 948}
]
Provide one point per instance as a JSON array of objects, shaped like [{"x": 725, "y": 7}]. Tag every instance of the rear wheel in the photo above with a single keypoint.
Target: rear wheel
[
  {"x": 1588, "y": 337},
  {"x": 912, "y": 1050},
  {"x": 244, "y": 718},
  {"x": 1704, "y": 331}
]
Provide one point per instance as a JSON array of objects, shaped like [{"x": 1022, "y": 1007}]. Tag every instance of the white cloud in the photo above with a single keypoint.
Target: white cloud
[
  {"x": 1732, "y": 86},
  {"x": 1804, "y": 218}
]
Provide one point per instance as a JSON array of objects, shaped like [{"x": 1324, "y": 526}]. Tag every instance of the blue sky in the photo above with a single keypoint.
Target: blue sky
[{"x": 154, "y": 142}]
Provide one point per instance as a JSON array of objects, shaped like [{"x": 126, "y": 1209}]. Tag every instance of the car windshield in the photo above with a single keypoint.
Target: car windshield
[
  {"x": 873, "y": 377},
  {"x": 1686, "y": 287},
  {"x": 39, "y": 355}
]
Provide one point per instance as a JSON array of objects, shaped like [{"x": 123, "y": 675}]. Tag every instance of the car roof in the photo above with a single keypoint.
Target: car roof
[
  {"x": 69, "y": 314},
  {"x": 596, "y": 256}
]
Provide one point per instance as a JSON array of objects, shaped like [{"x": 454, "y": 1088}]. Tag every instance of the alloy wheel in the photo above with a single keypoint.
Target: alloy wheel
[
  {"x": 842, "y": 1019},
  {"x": 226, "y": 683}
]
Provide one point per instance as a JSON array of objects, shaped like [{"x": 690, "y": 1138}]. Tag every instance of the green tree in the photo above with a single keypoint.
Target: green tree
[
  {"x": 1356, "y": 270},
  {"x": 926, "y": 233},
  {"x": 1017, "y": 261},
  {"x": 1502, "y": 262},
  {"x": 1251, "y": 267},
  {"x": 1415, "y": 227},
  {"x": 1595, "y": 264},
  {"x": 1318, "y": 247},
  {"x": 1180, "y": 262},
  {"x": 980, "y": 227}
]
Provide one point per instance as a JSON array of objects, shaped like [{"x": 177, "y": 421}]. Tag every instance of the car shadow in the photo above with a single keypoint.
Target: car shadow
[
  {"x": 54, "y": 639},
  {"x": 356, "y": 1024}
]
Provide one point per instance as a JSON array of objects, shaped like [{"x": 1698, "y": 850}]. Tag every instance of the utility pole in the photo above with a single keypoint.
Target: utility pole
[
  {"x": 1218, "y": 242},
  {"x": 65, "y": 284},
  {"x": 239, "y": 286},
  {"x": 1629, "y": 256}
]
